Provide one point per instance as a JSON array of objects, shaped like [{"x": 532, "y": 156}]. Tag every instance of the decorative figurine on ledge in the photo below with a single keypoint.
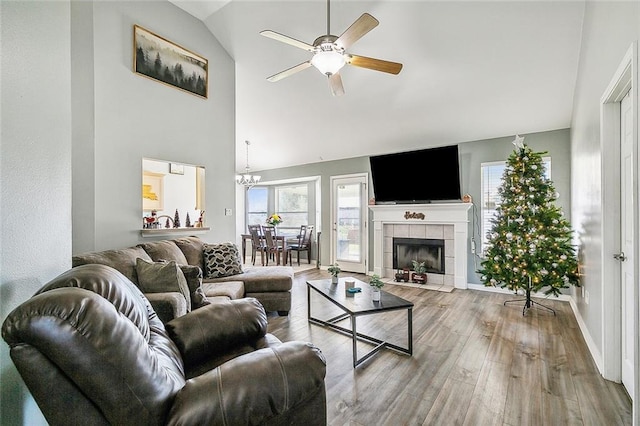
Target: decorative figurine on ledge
[
  {"x": 200, "y": 222},
  {"x": 150, "y": 222},
  {"x": 402, "y": 275},
  {"x": 176, "y": 220}
]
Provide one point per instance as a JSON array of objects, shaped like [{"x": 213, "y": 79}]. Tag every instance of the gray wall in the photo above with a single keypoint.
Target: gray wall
[
  {"x": 35, "y": 170},
  {"x": 472, "y": 154},
  {"x": 608, "y": 31},
  {"x": 76, "y": 118},
  {"x": 120, "y": 117}
]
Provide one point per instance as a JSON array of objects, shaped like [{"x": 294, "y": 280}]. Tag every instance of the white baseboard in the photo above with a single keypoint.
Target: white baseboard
[{"x": 591, "y": 344}]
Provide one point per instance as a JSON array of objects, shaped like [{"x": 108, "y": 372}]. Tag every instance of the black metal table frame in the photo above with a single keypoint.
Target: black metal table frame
[{"x": 331, "y": 323}]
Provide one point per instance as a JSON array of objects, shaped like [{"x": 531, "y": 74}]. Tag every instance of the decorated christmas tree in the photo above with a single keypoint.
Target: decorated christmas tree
[{"x": 530, "y": 242}]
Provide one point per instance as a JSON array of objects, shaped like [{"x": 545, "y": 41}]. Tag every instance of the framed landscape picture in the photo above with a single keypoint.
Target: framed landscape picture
[{"x": 159, "y": 59}]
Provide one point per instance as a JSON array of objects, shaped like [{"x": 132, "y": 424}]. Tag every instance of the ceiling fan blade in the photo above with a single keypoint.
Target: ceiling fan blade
[
  {"x": 286, "y": 39},
  {"x": 359, "y": 28},
  {"x": 288, "y": 72},
  {"x": 335, "y": 83},
  {"x": 374, "y": 64}
]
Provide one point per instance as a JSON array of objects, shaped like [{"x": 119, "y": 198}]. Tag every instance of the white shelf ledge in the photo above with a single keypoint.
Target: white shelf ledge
[{"x": 172, "y": 231}]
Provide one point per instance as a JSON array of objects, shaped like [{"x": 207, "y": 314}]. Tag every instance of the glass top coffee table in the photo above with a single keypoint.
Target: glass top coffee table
[{"x": 359, "y": 304}]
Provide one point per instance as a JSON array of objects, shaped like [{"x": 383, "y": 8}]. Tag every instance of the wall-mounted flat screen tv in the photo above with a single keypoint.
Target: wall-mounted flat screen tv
[{"x": 418, "y": 176}]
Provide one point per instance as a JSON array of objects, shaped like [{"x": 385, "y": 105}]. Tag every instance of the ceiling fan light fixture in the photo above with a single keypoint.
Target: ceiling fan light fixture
[{"x": 328, "y": 62}]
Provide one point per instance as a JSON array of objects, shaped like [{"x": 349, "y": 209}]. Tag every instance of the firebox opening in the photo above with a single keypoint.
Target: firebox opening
[{"x": 429, "y": 251}]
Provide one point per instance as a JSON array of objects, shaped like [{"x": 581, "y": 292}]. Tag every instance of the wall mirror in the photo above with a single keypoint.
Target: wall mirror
[{"x": 172, "y": 195}]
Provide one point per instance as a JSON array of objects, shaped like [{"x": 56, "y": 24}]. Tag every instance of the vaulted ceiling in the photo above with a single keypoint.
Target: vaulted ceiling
[{"x": 472, "y": 70}]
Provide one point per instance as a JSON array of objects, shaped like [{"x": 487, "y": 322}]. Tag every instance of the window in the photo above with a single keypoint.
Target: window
[
  {"x": 292, "y": 203},
  {"x": 257, "y": 205},
  {"x": 491, "y": 180}
]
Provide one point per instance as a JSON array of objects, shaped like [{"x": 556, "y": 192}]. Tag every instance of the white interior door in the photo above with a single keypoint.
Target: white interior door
[
  {"x": 349, "y": 222},
  {"x": 627, "y": 255}
]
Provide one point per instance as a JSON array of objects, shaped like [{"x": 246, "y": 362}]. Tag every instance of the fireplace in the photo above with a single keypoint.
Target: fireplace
[
  {"x": 427, "y": 250},
  {"x": 443, "y": 221}
]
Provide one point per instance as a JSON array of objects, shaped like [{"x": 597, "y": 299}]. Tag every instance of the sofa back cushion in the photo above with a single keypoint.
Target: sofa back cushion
[
  {"x": 124, "y": 260},
  {"x": 192, "y": 248},
  {"x": 164, "y": 250}
]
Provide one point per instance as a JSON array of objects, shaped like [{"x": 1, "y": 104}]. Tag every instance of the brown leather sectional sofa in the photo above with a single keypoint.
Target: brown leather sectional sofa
[
  {"x": 271, "y": 285},
  {"x": 92, "y": 351}
]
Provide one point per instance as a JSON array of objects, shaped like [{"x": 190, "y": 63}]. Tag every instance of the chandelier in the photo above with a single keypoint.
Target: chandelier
[{"x": 247, "y": 179}]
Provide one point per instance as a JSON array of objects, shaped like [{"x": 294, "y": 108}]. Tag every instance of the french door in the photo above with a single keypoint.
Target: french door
[{"x": 349, "y": 242}]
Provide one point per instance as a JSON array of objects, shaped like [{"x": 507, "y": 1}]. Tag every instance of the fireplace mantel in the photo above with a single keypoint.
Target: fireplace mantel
[{"x": 455, "y": 214}]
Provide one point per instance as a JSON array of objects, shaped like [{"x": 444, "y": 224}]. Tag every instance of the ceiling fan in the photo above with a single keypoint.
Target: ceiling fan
[{"x": 329, "y": 52}]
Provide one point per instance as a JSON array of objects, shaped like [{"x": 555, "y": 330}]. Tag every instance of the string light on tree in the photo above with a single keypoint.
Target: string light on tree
[{"x": 529, "y": 245}]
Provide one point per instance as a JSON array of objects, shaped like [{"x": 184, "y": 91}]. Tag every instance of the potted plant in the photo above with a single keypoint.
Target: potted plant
[
  {"x": 334, "y": 270},
  {"x": 419, "y": 272},
  {"x": 376, "y": 284}
]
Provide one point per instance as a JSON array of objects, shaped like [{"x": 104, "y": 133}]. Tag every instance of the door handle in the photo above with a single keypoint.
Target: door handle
[{"x": 620, "y": 256}]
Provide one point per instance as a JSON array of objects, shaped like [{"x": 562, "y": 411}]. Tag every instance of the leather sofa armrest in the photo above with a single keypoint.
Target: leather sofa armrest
[
  {"x": 216, "y": 328},
  {"x": 253, "y": 388},
  {"x": 168, "y": 305}
]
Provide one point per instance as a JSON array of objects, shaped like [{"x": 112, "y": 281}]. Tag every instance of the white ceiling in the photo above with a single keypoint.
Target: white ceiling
[{"x": 472, "y": 70}]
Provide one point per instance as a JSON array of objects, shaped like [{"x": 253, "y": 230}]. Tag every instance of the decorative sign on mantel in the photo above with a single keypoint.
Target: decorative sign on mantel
[{"x": 413, "y": 215}]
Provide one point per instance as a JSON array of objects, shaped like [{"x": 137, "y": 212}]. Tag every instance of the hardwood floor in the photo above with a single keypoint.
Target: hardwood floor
[{"x": 475, "y": 362}]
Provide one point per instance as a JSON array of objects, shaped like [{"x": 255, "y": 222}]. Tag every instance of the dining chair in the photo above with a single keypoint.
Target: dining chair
[
  {"x": 303, "y": 243},
  {"x": 274, "y": 248},
  {"x": 274, "y": 233},
  {"x": 257, "y": 243}
]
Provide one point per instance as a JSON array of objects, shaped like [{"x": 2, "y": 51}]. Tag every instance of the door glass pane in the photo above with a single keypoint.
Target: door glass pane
[{"x": 349, "y": 223}]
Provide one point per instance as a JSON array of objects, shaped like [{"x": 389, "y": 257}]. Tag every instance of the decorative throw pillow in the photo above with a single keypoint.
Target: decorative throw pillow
[
  {"x": 193, "y": 274},
  {"x": 160, "y": 277},
  {"x": 221, "y": 260}
]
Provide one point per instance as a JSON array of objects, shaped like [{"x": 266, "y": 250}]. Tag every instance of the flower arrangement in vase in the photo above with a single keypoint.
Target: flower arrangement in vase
[
  {"x": 334, "y": 270},
  {"x": 376, "y": 284},
  {"x": 274, "y": 220}
]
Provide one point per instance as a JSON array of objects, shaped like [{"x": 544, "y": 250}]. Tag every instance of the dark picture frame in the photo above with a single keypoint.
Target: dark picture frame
[{"x": 159, "y": 59}]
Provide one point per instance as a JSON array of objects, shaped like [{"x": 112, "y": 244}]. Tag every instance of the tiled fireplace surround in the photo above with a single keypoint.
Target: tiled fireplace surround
[{"x": 439, "y": 221}]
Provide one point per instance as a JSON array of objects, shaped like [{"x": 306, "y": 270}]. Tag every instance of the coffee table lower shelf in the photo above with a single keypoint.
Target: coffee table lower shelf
[{"x": 352, "y": 315}]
